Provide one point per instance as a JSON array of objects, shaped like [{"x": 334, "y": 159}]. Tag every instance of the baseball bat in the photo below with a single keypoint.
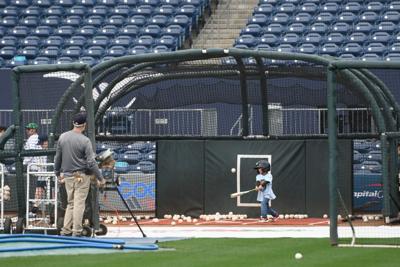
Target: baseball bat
[{"x": 233, "y": 195}]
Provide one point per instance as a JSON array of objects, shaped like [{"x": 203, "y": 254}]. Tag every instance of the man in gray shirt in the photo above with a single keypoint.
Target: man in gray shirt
[{"x": 75, "y": 164}]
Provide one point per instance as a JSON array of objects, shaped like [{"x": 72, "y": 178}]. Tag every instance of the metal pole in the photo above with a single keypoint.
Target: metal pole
[{"x": 332, "y": 139}]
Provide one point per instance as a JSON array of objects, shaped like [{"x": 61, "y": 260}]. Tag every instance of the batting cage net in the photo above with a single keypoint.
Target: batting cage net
[{"x": 237, "y": 95}]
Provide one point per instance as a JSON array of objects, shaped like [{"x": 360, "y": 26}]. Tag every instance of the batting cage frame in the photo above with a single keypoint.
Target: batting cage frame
[{"x": 132, "y": 73}]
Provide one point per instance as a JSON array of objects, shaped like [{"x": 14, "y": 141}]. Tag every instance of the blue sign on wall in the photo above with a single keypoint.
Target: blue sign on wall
[{"x": 368, "y": 193}]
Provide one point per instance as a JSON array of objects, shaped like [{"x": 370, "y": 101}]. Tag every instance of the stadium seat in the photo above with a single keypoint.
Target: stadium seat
[
  {"x": 8, "y": 52},
  {"x": 376, "y": 6},
  {"x": 55, "y": 11},
  {"x": 108, "y": 30},
  {"x": 285, "y": 48},
  {"x": 94, "y": 51},
  {"x": 336, "y": 38},
  {"x": 16, "y": 61},
  {"x": 167, "y": 40},
  {"x": 260, "y": 19},
  {"x": 55, "y": 40},
  {"x": 73, "y": 20},
  {"x": 64, "y": 3},
  {"x": 253, "y": 29},
  {"x": 364, "y": 27},
  {"x": 100, "y": 10},
  {"x": 270, "y": 39},
  {"x": 288, "y": 8},
  {"x": 42, "y": 3},
  {"x": 86, "y": 3},
  {"x": 174, "y": 3},
  {"x": 160, "y": 20},
  {"x": 138, "y": 49},
  {"x": 116, "y": 51},
  {"x": 72, "y": 51},
  {"x": 9, "y": 41},
  {"x": 341, "y": 27},
  {"x": 116, "y": 20},
  {"x": 131, "y": 30},
  {"x": 166, "y": 10},
  {"x": 64, "y": 60},
  {"x": 281, "y": 18},
  {"x": 99, "y": 40},
  {"x": 10, "y": 11},
  {"x": 319, "y": 27},
  {"x": 358, "y": 37},
  {"x": 19, "y": 31},
  {"x": 31, "y": 41},
  {"x": 149, "y": 2},
  {"x": 329, "y": 49},
  {"x": 392, "y": 57},
  {"x": 326, "y": 18},
  {"x": 152, "y": 30},
  {"x": 247, "y": 39},
  {"x": 353, "y": 48},
  {"x": 76, "y": 11},
  {"x": 30, "y": 52},
  {"x": 370, "y": 56},
  {"x": 387, "y": 26},
  {"x": 32, "y": 11},
  {"x": 122, "y": 40},
  {"x": 41, "y": 61},
  {"x": 65, "y": 31},
  {"x": 266, "y": 9},
  {"x": 310, "y": 8},
  {"x": 144, "y": 10},
  {"x": 290, "y": 38},
  {"x": 122, "y": 10},
  {"x": 50, "y": 52},
  {"x": 145, "y": 40},
  {"x": 313, "y": 38},
  {"x": 394, "y": 48},
  {"x": 9, "y": 21},
  {"x": 330, "y": 7},
  {"x": 369, "y": 16},
  {"x": 382, "y": 37},
  {"x": 263, "y": 47},
  {"x": 275, "y": 28},
  {"x": 52, "y": 21},
  {"x": 94, "y": 20},
  {"x": 347, "y": 17},
  {"x": 376, "y": 48},
  {"x": 115, "y": 2},
  {"x": 298, "y": 28},
  {"x": 43, "y": 31},
  {"x": 78, "y": 40},
  {"x": 394, "y": 5},
  {"x": 303, "y": 18},
  {"x": 87, "y": 30},
  {"x": 353, "y": 7},
  {"x": 391, "y": 16},
  {"x": 161, "y": 49},
  {"x": 20, "y": 3},
  {"x": 307, "y": 49},
  {"x": 91, "y": 61},
  {"x": 138, "y": 20}
]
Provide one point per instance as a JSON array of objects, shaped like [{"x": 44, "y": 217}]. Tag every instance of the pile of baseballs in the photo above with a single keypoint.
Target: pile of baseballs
[{"x": 5, "y": 193}]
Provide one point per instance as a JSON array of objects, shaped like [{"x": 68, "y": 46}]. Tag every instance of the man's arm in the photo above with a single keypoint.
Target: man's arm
[
  {"x": 58, "y": 159},
  {"x": 91, "y": 161}
]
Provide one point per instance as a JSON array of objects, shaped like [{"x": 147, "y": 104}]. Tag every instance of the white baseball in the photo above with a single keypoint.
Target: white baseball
[
  {"x": 233, "y": 170},
  {"x": 298, "y": 256},
  {"x": 325, "y": 216}
]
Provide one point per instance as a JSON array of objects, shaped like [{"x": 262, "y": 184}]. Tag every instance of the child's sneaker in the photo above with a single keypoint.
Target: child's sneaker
[{"x": 262, "y": 219}]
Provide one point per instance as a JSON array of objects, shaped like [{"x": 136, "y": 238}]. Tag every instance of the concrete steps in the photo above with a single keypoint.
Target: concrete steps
[{"x": 224, "y": 25}]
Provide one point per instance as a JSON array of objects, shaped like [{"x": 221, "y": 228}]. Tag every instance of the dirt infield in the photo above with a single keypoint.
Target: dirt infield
[{"x": 242, "y": 222}]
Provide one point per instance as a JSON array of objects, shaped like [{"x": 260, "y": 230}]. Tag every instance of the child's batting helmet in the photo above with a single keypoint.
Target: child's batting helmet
[{"x": 263, "y": 164}]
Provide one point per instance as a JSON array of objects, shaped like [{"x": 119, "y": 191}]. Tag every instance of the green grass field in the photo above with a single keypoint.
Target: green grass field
[{"x": 227, "y": 252}]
